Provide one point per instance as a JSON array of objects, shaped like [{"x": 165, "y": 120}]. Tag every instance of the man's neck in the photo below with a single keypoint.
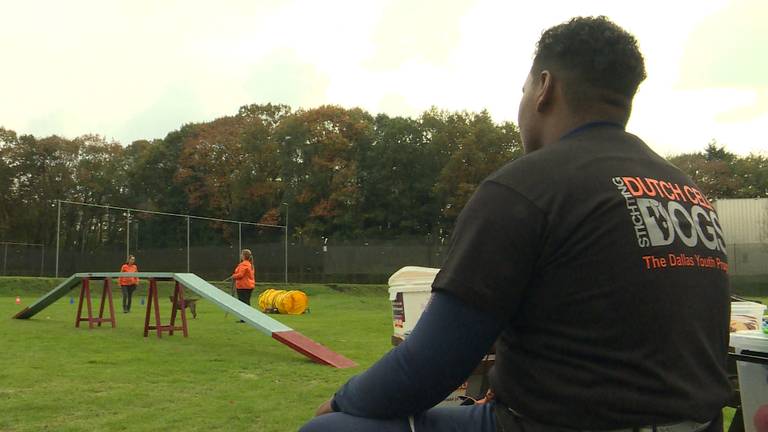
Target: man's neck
[{"x": 563, "y": 125}]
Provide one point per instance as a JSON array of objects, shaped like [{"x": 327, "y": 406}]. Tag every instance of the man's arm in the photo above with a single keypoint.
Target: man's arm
[
  {"x": 448, "y": 342},
  {"x": 494, "y": 249}
]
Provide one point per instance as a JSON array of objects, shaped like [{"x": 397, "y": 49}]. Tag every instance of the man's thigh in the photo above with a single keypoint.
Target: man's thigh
[{"x": 476, "y": 418}]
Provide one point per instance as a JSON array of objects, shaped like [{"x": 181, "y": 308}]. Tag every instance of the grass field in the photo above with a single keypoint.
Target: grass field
[{"x": 225, "y": 376}]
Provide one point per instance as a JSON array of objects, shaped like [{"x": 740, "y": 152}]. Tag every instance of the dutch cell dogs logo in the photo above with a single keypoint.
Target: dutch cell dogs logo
[{"x": 663, "y": 213}]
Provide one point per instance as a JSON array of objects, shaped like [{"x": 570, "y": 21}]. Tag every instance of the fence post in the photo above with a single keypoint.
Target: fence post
[
  {"x": 188, "y": 244},
  {"x": 127, "y": 235},
  {"x": 286, "y": 243},
  {"x": 58, "y": 234}
]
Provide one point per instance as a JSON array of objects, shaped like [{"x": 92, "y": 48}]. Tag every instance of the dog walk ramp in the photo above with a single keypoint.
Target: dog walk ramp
[
  {"x": 63, "y": 288},
  {"x": 262, "y": 322},
  {"x": 43, "y": 302}
]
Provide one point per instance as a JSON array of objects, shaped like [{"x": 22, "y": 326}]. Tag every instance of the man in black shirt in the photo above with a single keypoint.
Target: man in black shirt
[{"x": 598, "y": 268}]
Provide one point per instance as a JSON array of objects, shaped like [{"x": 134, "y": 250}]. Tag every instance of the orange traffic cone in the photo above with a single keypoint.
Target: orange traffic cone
[{"x": 18, "y": 300}]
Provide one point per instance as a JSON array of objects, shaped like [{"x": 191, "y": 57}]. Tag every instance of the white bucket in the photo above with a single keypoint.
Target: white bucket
[
  {"x": 410, "y": 290},
  {"x": 753, "y": 377},
  {"x": 746, "y": 316}
]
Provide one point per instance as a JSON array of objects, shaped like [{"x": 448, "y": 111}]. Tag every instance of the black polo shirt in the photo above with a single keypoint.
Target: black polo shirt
[{"x": 609, "y": 266}]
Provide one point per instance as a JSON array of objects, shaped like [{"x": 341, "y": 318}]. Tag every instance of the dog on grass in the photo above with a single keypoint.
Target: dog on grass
[{"x": 188, "y": 303}]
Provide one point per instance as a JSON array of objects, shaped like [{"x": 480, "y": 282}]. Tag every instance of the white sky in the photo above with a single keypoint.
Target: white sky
[{"x": 138, "y": 69}]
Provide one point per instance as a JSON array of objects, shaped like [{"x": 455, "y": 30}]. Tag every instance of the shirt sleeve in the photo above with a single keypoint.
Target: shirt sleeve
[
  {"x": 494, "y": 250},
  {"x": 448, "y": 342},
  {"x": 239, "y": 272}
]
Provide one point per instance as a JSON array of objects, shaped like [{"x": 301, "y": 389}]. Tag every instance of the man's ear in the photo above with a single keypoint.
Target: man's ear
[{"x": 545, "y": 91}]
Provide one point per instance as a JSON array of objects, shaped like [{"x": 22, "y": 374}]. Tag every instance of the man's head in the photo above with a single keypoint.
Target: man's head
[{"x": 586, "y": 69}]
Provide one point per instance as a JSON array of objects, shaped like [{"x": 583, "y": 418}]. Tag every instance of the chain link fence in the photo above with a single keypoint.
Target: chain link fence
[
  {"x": 748, "y": 268},
  {"x": 98, "y": 239},
  {"x": 361, "y": 261},
  {"x": 22, "y": 259},
  {"x": 309, "y": 261}
]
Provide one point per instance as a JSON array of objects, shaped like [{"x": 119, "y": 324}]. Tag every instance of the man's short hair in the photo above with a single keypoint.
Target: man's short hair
[{"x": 598, "y": 61}]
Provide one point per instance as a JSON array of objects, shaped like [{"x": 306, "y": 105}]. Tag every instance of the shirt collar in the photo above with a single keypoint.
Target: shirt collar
[{"x": 592, "y": 125}]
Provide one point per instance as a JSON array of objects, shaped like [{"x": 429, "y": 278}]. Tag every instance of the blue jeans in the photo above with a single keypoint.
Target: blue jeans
[{"x": 473, "y": 418}]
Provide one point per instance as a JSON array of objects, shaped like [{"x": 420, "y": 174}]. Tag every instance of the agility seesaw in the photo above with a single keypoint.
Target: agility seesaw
[{"x": 277, "y": 330}]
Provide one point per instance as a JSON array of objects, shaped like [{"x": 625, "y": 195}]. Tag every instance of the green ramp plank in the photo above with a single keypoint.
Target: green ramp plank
[
  {"x": 62, "y": 289},
  {"x": 261, "y": 321},
  {"x": 115, "y": 275},
  {"x": 280, "y": 332},
  {"x": 43, "y": 302}
]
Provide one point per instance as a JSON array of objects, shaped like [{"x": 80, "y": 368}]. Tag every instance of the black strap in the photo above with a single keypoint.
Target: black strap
[{"x": 751, "y": 357}]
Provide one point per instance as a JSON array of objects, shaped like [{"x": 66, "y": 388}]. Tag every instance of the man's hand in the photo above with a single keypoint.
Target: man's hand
[
  {"x": 489, "y": 396},
  {"x": 324, "y": 408}
]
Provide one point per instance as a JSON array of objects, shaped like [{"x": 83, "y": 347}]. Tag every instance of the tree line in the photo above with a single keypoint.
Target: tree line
[{"x": 342, "y": 173}]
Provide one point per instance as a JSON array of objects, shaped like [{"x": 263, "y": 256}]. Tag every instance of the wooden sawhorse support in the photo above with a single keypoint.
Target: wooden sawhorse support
[
  {"x": 85, "y": 292},
  {"x": 153, "y": 305}
]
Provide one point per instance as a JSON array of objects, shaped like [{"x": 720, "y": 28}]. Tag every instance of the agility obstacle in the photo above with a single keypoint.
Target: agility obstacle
[
  {"x": 267, "y": 325},
  {"x": 106, "y": 298}
]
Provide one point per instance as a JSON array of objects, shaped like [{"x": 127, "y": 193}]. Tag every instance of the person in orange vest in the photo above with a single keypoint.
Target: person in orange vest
[
  {"x": 128, "y": 284},
  {"x": 245, "y": 277}
]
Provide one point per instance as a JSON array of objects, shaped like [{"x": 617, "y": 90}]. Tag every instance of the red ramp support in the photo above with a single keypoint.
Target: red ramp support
[
  {"x": 153, "y": 305},
  {"x": 316, "y": 352},
  {"x": 106, "y": 295}
]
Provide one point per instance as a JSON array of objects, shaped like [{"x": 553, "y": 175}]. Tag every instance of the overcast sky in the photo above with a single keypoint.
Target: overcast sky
[{"x": 139, "y": 69}]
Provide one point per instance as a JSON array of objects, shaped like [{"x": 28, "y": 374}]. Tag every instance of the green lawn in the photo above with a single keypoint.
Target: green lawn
[{"x": 225, "y": 376}]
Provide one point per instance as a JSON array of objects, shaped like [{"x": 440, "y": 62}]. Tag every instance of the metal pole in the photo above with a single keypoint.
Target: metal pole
[
  {"x": 5, "y": 260},
  {"x": 239, "y": 238},
  {"x": 286, "y": 242},
  {"x": 187, "y": 244},
  {"x": 58, "y": 227},
  {"x": 127, "y": 236}
]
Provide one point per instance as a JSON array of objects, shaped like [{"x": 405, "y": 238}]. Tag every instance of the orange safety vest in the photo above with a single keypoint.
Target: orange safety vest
[
  {"x": 244, "y": 275},
  {"x": 129, "y": 268}
]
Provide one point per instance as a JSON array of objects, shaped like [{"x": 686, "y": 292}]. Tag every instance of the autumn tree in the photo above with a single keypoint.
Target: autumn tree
[
  {"x": 398, "y": 171},
  {"x": 7, "y": 174},
  {"x": 319, "y": 158},
  {"x": 151, "y": 168},
  {"x": 43, "y": 171},
  {"x": 712, "y": 170},
  {"x": 258, "y": 186},
  {"x": 752, "y": 174},
  {"x": 99, "y": 178},
  {"x": 480, "y": 147},
  {"x": 343, "y": 172}
]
